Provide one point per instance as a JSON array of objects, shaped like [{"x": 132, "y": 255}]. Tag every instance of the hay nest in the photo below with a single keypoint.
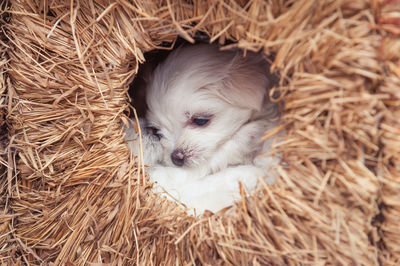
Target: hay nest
[{"x": 76, "y": 196}]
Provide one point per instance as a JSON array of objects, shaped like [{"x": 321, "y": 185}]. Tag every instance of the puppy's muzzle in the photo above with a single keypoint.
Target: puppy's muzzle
[{"x": 178, "y": 157}]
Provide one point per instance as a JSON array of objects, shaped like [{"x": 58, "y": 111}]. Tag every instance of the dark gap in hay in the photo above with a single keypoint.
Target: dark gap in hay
[
  {"x": 377, "y": 221},
  {"x": 137, "y": 89}
]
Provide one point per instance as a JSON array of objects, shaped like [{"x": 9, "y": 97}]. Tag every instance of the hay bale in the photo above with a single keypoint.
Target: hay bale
[{"x": 79, "y": 197}]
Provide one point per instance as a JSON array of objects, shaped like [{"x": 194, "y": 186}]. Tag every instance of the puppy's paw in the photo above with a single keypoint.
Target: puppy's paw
[
  {"x": 170, "y": 181},
  {"x": 221, "y": 189},
  {"x": 254, "y": 173},
  {"x": 152, "y": 150},
  {"x": 248, "y": 175}
]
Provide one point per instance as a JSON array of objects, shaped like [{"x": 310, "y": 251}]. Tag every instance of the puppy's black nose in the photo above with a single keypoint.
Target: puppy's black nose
[{"x": 178, "y": 157}]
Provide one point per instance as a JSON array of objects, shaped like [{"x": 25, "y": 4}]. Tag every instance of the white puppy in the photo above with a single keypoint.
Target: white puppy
[{"x": 207, "y": 112}]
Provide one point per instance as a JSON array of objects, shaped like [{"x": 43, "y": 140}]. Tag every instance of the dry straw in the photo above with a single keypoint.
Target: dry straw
[
  {"x": 6, "y": 245},
  {"x": 73, "y": 195}
]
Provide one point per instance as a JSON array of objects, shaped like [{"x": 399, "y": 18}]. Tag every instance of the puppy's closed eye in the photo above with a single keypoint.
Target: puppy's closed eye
[
  {"x": 153, "y": 131},
  {"x": 201, "y": 122}
]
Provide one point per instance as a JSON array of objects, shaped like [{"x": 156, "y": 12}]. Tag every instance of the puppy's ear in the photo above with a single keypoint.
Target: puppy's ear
[{"x": 247, "y": 82}]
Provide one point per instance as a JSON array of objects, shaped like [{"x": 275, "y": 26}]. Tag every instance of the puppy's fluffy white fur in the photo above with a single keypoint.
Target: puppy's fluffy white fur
[{"x": 207, "y": 112}]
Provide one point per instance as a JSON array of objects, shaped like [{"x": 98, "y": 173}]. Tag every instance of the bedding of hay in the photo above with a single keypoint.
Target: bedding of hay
[{"x": 76, "y": 196}]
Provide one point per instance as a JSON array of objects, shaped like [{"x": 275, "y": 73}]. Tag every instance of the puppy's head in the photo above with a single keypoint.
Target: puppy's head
[{"x": 200, "y": 97}]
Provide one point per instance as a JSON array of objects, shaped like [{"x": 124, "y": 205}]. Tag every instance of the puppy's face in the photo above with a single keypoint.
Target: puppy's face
[
  {"x": 198, "y": 100},
  {"x": 194, "y": 125}
]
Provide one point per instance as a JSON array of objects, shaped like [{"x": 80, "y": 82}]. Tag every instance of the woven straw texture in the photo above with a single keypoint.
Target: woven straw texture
[{"x": 71, "y": 194}]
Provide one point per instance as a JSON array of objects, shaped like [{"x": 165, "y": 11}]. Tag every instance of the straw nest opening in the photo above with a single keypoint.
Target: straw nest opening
[{"x": 75, "y": 195}]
